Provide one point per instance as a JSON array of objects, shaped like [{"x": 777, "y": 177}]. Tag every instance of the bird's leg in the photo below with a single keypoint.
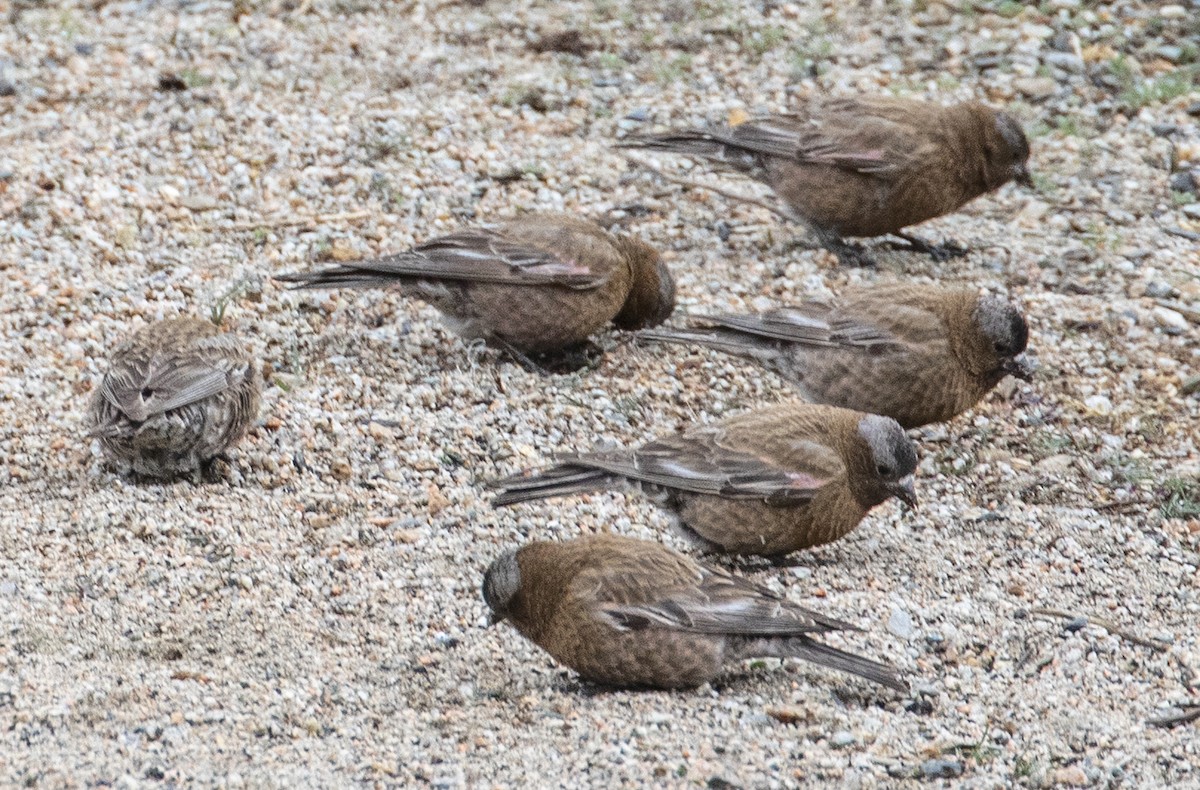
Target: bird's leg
[
  {"x": 568, "y": 360},
  {"x": 585, "y": 355},
  {"x": 848, "y": 253},
  {"x": 520, "y": 357},
  {"x": 785, "y": 561},
  {"x": 939, "y": 252},
  {"x": 214, "y": 470}
]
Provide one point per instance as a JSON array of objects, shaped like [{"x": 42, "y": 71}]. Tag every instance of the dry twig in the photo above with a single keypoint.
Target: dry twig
[
  {"x": 637, "y": 160},
  {"x": 1111, "y": 627},
  {"x": 1188, "y": 713},
  {"x": 286, "y": 222}
]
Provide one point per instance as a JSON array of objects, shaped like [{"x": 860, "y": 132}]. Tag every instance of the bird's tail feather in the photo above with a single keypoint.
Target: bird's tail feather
[
  {"x": 729, "y": 342},
  {"x": 341, "y": 277},
  {"x": 826, "y": 656},
  {"x": 554, "y": 481},
  {"x": 696, "y": 143}
]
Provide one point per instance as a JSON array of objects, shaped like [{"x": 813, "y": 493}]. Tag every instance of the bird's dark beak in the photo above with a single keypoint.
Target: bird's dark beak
[
  {"x": 905, "y": 490},
  {"x": 1020, "y": 366},
  {"x": 1022, "y": 176}
]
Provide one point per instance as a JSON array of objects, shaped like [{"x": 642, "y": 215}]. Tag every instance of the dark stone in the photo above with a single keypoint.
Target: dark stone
[
  {"x": 941, "y": 769},
  {"x": 1185, "y": 181}
]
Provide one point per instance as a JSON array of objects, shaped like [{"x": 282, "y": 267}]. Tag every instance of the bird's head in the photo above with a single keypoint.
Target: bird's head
[
  {"x": 1004, "y": 334},
  {"x": 1009, "y": 159},
  {"x": 501, "y": 584},
  {"x": 651, "y": 298},
  {"x": 893, "y": 458}
]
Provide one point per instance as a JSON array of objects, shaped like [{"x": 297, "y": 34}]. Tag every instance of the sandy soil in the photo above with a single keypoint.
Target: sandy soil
[{"x": 314, "y": 618}]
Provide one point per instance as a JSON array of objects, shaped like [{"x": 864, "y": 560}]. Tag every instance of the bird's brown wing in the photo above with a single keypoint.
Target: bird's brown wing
[
  {"x": 477, "y": 255},
  {"x": 847, "y": 134},
  {"x": 698, "y": 462},
  {"x": 711, "y": 601},
  {"x": 809, "y": 325},
  {"x": 141, "y": 388}
]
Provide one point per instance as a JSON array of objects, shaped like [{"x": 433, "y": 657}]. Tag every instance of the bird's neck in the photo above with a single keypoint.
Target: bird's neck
[{"x": 964, "y": 135}]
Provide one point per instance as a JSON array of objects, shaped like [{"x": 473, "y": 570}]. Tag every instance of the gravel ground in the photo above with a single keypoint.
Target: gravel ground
[{"x": 314, "y": 618}]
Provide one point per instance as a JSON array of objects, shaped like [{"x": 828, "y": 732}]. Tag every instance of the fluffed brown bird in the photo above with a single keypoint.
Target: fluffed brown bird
[
  {"x": 915, "y": 353},
  {"x": 767, "y": 482},
  {"x": 177, "y": 394},
  {"x": 635, "y": 614},
  {"x": 536, "y": 285},
  {"x": 867, "y": 166}
]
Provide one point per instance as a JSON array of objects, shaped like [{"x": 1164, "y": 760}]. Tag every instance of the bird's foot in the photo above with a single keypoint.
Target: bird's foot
[
  {"x": 786, "y": 561},
  {"x": 752, "y": 563},
  {"x": 941, "y": 253},
  {"x": 583, "y": 356},
  {"x": 215, "y": 470},
  {"x": 520, "y": 357},
  {"x": 852, "y": 255},
  {"x": 848, "y": 253}
]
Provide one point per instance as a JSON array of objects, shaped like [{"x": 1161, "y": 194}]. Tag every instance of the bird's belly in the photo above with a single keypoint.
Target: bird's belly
[
  {"x": 648, "y": 658},
  {"x": 756, "y": 528},
  {"x": 182, "y": 439},
  {"x": 533, "y": 319},
  {"x": 838, "y": 201},
  {"x": 913, "y": 392}
]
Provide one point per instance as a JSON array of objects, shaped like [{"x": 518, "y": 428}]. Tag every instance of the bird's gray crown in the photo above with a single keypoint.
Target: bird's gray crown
[
  {"x": 666, "y": 294},
  {"x": 1003, "y": 325},
  {"x": 891, "y": 449},
  {"x": 1013, "y": 135},
  {"x": 501, "y": 582}
]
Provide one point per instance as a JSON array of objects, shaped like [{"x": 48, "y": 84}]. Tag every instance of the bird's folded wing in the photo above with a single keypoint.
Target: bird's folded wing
[
  {"x": 697, "y": 462},
  {"x": 720, "y": 604},
  {"x": 143, "y": 390},
  {"x": 850, "y": 139},
  {"x": 809, "y": 325},
  {"x": 482, "y": 256}
]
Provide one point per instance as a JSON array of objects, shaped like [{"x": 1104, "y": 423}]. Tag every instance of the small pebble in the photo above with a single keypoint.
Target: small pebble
[
  {"x": 941, "y": 769},
  {"x": 1036, "y": 88},
  {"x": 1068, "y": 61},
  {"x": 900, "y": 623},
  {"x": 1171, "y": 321},
  {"x": 1072, "y": 776},
  {"x": 1170, "y": 52},
  {"x": 1157, "y": 289},
  {"x": 1186, "y": 181}
]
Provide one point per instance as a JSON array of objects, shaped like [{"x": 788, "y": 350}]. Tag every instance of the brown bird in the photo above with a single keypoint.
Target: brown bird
[
  {"x": 632, "y": 613},
  {"x": 536, "y": 285},
  {"x": 767, "y": 482},
  {"x": 177, "y": 394},
  {"x": 915, "y": 353},
  {"x": 867, "y": 166}
]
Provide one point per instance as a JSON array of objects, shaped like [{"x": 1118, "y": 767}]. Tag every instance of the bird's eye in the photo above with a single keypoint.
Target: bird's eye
[{"x": 884, "y": 470}]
